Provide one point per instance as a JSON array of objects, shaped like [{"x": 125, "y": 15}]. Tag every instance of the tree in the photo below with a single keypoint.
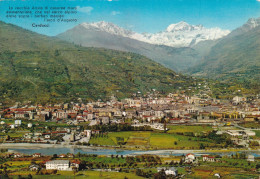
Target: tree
[
  {"x": 57, "y": 53},
  {"x": 202, "y": 146},
  {"x": 160, "y": 175},
  {"x": 138, "y": 172}
]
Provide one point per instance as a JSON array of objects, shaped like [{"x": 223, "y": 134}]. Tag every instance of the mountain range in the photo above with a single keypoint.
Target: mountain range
[
  {"x": 181, "y": 34},
  {"x": 192, "y": 49},
  {"x": 174, "y": 47},
  {"x": 46, "y": 69}
]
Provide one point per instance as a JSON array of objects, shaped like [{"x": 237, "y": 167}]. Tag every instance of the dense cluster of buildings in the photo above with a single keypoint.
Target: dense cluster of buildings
[
  {"x": 175, "y": 108},
  {"x": 155, "y": 112}
]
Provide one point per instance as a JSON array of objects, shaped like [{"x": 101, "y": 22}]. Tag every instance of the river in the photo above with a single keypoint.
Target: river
[{"x": 103, "y": 151}]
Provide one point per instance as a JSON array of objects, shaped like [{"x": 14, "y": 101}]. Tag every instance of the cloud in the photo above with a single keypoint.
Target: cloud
[
  {"x": 258, "y": 0},
  {"x": 114, "y": 13},
  {"x": 86, "y": 9}
]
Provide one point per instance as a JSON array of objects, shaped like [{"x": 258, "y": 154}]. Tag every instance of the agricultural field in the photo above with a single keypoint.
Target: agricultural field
[
  {"x": 174, "y": 141},
  {"x": 195, "y": 129},
  {"x": 101, "y": 141},
  {"x": 119, "y": 175},
  {"x": 78, "y": 175},
  {"x": 208, "y": 171},
  {"x": 257, "y": 133},
  {"x": 178, "y": 137},
  {"x": 139, "y": 139}
]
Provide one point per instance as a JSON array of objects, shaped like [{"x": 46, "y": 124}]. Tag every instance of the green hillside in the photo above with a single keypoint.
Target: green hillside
[
  {"x": 44, "y": 69},
  {"x": 235, "y": 58}
]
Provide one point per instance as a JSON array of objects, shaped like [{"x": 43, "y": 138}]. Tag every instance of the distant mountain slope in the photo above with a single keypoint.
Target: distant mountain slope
[
  {"x": 92, "y": 36},
  {"x": 13, "y": 38},
  {"x": 249, "y": 25},
  {"x": 235, "y": 57},
  {"x": 43, "y": 69}
]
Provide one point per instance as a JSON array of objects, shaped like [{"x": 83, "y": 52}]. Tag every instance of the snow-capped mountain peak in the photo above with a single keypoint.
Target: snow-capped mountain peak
[
  {"x": 108, "y": 27},
  {"x": 180, "y": 34},
  {"x": 181, "y": 26},
  {"x": 183, "y": 34},
  {"x": 252, "y": 23}
]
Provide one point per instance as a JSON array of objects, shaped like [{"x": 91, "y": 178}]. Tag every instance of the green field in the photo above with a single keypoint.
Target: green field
[
  {"x": 80, "y": 175},
  {"x": 195, "y": 129},
  {"x": 114, "y": 138},
  {"x": 101, "y": 141},
  {"x": 110, "y": 139},
  {"x": 227, "y": 172},
  {"x": 15, "y": 134},
  {"x": 156, "y": 140},
  {"x": 161, "y": 139},
  {"x": 257, "y": 133}
]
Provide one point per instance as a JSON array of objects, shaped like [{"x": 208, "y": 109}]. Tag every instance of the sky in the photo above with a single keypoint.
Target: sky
[{"x": 139, "y": 15}]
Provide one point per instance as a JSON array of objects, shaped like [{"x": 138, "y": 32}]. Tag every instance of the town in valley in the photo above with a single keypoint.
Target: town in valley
[{"x": 209, "y": 133}]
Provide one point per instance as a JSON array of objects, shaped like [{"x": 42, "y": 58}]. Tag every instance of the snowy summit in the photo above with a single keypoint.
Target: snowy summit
[{"x": 181, "y": 34}]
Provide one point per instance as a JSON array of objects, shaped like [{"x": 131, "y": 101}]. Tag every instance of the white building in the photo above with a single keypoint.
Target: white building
[
  {"x": 30, "y": 125},
  {"x": 17, "y": 122},
  {"x": 58, "y": 165},
  {"x": 207, "y": 158},
  {"x": 168, "y": 171},
  {"x": 189, "y": 158},
  {"x": 238, "y": 99},
  {"x": 250, "y": 158},
  {"x": 171, "y": 171}
]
